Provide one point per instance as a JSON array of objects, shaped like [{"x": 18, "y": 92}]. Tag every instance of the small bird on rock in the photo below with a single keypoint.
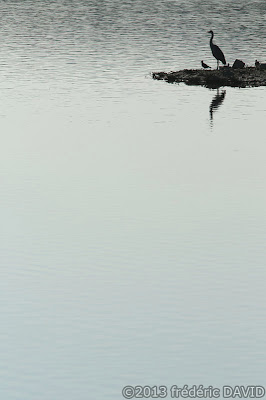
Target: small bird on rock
[{"x": 204, "y": 65}]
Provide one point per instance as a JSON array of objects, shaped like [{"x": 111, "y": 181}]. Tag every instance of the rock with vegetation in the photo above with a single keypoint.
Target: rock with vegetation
[{"x": 225, "y": 76}]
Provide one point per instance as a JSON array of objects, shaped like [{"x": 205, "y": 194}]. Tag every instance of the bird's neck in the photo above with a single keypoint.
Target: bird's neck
[{"x": 211, "y": 38}]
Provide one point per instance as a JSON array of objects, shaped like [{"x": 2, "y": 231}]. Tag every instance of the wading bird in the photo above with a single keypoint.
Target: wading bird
[
  {"x": 259, "y": 65},
  {"x": 204, "y": 65},
  {"x": 216, "y": 51}
]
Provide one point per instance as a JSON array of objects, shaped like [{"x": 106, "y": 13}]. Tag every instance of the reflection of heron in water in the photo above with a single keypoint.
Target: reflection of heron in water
[{"x": 216, "y": 102}]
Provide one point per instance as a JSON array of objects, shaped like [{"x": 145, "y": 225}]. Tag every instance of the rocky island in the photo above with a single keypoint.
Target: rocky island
[{"x": 213, "y": 79}]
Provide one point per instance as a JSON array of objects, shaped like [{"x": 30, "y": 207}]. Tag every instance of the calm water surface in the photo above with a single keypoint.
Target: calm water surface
[{"x": 133, "y": 217}]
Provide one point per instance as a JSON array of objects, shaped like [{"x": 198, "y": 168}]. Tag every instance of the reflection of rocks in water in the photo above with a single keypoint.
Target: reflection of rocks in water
[{"x": 216, "y": 102}]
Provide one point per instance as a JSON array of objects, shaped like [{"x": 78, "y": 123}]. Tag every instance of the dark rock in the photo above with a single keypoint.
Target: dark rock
[{"x": 238, "y": 64}]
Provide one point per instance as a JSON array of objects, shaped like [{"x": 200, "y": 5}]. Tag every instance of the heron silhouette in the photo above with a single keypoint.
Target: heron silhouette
[{"x": 216, "y": 51}]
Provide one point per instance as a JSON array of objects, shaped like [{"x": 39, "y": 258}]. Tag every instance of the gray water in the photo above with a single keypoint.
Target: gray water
[{"x": 133, "y": 222}]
